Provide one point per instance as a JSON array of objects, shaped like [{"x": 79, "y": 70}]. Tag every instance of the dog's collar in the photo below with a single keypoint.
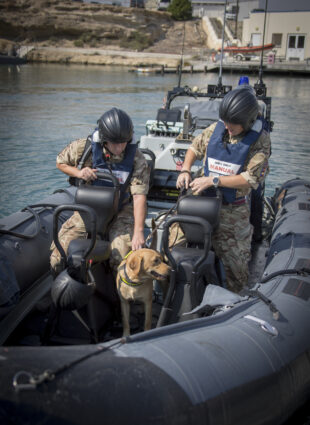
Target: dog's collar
[
  {"x": 127, "y": 255},
  {"x": 127, "y": 279}
]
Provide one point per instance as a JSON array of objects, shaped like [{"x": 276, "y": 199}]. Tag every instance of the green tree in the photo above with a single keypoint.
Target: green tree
[{"x": 181, "y": 10}]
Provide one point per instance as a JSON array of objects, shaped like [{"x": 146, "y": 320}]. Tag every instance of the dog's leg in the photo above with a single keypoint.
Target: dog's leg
[
  {"x": 125, "y": 317},
  {"x": 148, "y": 314}
]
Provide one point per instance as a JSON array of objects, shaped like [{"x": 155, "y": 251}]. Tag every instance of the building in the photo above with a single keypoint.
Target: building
[
  {"x": 288, "y": 30},
  {"x": 215, "y": 8}
]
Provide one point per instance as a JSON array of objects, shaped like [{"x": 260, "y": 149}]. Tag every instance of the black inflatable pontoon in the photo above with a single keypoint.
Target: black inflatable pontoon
[{"x": 245, "y": 360}]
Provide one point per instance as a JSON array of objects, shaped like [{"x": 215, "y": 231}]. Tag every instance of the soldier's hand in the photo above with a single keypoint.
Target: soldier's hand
[
  {"x": 200, "y": 184},
  {"x": 183, "y": 180},
  {"x": 87, "y": 174},
  {"x": 137, "y": 241}
]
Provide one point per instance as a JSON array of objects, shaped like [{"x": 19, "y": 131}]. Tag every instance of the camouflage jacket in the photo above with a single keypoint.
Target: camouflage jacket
[
  {"x": 256, "y": 166},
  {"x": 139, "y": 183}
]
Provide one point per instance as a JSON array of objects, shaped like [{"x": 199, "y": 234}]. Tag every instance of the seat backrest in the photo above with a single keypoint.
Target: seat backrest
[
  {"x": 199, "y": 206},
  {"x": 104, "y": 200},
  {"x": 169, "y": 115}
]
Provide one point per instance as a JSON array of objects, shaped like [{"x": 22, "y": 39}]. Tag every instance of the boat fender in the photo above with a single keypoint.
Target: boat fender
[{"x": 69, "y": 294}]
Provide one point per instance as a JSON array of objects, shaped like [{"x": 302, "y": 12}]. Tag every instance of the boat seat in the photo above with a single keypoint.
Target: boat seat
[
  {"x": 77, "y": 287},
  {"x": 193, "y": 266},
  {"x": 103, "y": 200},
  {"x": 78, "y": 247},
  {"x": 186, "y": 258},
  {"x": 208, "y": 208},
  {"x": 172, "y": 115}
]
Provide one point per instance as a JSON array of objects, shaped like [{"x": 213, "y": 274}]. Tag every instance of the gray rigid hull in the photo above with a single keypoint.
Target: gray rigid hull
[{"x": 248, "y": 363}]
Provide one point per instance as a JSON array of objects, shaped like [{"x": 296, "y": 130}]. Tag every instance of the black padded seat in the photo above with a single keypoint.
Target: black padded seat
[
  {"x": 169, "y": 115},
  {"x": 104, "y": 201},
  {"x": 78, "y": 247},
  {"x": 188, "y": 292},
  {"x": 187, "y": 257},
  {"x": 204, "y": 207},
  {"x": 193, "y": 266}
]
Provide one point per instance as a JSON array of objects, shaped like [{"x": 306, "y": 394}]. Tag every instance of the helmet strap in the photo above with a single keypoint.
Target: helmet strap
[{"x": 108, "y": 150}]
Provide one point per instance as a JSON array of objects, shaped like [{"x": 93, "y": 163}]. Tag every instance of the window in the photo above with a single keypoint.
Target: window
[
  {"x": 292, "y": 42},
  {"x": 301, "y": 42},
  {"x": 277, "y": 40}
]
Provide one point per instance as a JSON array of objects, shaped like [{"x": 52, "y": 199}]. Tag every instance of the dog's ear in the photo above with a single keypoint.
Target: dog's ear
[{"x": 134, "y": 263}]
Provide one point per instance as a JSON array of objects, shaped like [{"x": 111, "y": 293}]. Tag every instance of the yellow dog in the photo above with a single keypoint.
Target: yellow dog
[{"x": 135, "y": 282}]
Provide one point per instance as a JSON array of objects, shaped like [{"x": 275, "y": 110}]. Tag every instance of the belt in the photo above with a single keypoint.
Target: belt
[{"x": 238, "y": 201}]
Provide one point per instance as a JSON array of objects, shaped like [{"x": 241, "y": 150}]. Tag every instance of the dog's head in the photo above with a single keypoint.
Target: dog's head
[{"x": 145, "y": 264}]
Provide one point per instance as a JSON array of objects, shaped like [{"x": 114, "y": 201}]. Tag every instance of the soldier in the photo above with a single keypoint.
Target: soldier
[
  {"x": 111, "y": 151},
  {"x": 235, "y": 151}
]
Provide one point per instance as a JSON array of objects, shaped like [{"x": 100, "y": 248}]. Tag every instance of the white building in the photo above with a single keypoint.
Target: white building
[
  {"x": 289, "y": 31},
  {"x": 215, "y": 8}
]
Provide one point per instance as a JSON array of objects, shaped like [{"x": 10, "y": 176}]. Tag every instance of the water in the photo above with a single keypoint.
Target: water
[{"x": 44, "y": 107}]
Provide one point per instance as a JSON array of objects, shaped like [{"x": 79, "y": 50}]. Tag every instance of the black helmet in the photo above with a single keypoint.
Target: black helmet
[
  {"x": 240, "y": 106},
  {"x": 115, "y": 126}
]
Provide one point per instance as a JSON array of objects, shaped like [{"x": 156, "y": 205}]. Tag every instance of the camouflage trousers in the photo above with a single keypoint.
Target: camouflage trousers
[
  {"x": 231, "y": 242},
  {"x": 120, "y": 235}
]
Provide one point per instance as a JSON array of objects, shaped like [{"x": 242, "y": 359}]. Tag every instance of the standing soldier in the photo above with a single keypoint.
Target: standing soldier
[
  {"x": 111, "y": 150},
  {"x": 235, "y": 151}
]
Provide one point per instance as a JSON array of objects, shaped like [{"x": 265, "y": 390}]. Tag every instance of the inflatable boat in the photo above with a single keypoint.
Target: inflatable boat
[
  {"x": 211, "y": 357},
  {"x": 241, "y": 359}
]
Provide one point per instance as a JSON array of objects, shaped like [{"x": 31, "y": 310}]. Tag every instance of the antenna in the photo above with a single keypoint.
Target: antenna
[
  {"x": 219, "y": 84},
  {"x": 260, "y": 87},
  {"x": 180, "y": 70}
]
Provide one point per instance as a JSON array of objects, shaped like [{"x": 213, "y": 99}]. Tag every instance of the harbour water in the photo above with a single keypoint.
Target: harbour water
[{"x": 44, "y": 107}]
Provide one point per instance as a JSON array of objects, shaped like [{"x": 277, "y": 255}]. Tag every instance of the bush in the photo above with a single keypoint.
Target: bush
[
  {"x": 136, "y": 41},
  {"x": 78, "y": 43},
  {"x": 180, "y": 10}
]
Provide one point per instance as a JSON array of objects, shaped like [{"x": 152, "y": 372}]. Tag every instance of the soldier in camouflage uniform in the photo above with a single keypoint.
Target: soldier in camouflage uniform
[
  {"x": 232, "y": 239},
  {"x": 109, "y": 142}
]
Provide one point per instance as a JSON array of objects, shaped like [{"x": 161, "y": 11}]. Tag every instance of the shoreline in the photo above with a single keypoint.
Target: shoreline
[
  {"x": 95, "y": 56},
  {"x": 159, "y": 62}
]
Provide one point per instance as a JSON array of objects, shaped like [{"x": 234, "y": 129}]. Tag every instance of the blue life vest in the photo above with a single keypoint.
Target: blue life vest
[
  {"x": 229, "y": 158},
  {"x": 121, "y": 170}
]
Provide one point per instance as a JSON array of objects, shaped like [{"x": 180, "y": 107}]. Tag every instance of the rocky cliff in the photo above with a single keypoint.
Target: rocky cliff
[{"x": 68, "y": 23}]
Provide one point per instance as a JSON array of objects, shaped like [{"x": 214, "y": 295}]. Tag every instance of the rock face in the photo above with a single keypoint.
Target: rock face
[
  {"x": 90, "y": 24},
  {"x": 69, "y": 23}
]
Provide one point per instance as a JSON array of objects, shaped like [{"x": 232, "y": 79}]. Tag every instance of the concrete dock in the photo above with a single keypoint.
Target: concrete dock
[{"x": 281, "y": 68}]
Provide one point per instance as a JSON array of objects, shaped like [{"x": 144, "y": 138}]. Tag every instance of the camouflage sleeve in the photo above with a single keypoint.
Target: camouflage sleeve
[
  {"x": 139, "y": 184},
  {"x": 71, "y": 154},
  {"x": 256, "y": 167},
  {"x": 200, "y": 143}
]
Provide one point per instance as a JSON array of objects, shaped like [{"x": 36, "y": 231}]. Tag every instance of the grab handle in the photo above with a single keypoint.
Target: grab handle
[
  {"x": 102, "y": 175},
  {"x": 93, "y": 228},
  {"x": 206, "y": 229}
]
